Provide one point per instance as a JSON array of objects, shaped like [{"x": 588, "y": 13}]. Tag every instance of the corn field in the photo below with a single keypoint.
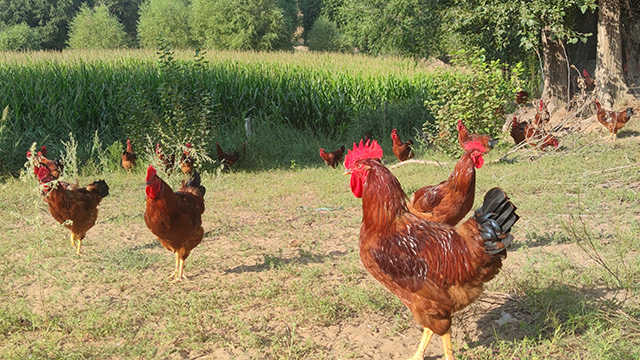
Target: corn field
[{"x": 291, "y": 98}]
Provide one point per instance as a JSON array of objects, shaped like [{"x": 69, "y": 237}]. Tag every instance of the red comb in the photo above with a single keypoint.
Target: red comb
[
  {"x": 474, "y": 145},
  {"x": 541, "y": 103},
  {"x": 150, "y": 173},
  {"x": 188, "y": 145},
  {"x": 585, "y": 73},
  {"x": 369, "y": 150}
]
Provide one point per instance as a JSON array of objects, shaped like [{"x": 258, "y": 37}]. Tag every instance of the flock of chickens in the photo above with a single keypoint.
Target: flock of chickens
[{"x": 418, "y": 247}]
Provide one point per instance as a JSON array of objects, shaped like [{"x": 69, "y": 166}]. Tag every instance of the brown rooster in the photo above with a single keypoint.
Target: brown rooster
[
  {"x": 589, "y": 82},
  {"x": 542, "y": 115},
  {"x": 450, "y": 201},
  {"x": 175, "y": 217},
  {"x": 434, "y": 269},
  {"x": 55, "y": 168},
  {"x": 76, "y": 209},
  {"x": 517, "y": 130},
  {"x": 464, "y": 137},
  {"x": 129, "y": 157},
  {"x": 227, "y": 160},
  {"x": 612, "y": 120},
  {"x": 332, "y": 158},
  {"x": 402, "y": 150}
]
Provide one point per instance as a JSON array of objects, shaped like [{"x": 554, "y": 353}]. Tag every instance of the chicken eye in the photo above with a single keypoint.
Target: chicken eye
[{"x": 359, "y": 166}]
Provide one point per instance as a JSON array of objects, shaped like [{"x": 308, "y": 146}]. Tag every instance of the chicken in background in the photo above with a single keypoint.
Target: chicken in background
[
  {"x": 542, "y": 115},
  {"x": 434, "y": 269},
  {"x": 227, "y": 160},
  {"x": 518, "y": 130},
  {"x": 129, "y": 157},
  {"x": 77, "y": 209},
  {"x": 612, "y": 120},
  {"x": 402, "y": 150},
  {"x": 522, "y": 97},
  {"x": 538, "y": 138},
  {"x": 55, "y": 167},
  {"x": 332, "y": 158},
  {"x": 464, "y": 137},
  {"x": 186, "y": 160},
  {"x": 449, "y": 201},
  {"x": 167, "y": 161},
  {"x": 589, "y": 82},
  {"x": 175, "y": 217}
]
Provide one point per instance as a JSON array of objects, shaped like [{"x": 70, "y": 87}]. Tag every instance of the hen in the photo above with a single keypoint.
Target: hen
[
  {"x": 402, "y": 150},
  {"x": 522, "y": 97},
  {"x": 77, "y": 209},
  {"x": 187, "y": 160},
  {"x": 175, "y": 217},
  {"x": 464, "y": 137},
  {"x": 450, "y": 201},
  {"x": 227, "y": 160},
  {"x": 518, "y": 130},
  {"x": 55, "y": 167},
  {"x": 128, "y": 157},
  {"x": 167, "y": 161},
  {"x": 538, "y": 138},
  {"x": 434, "y": 269},
  {"x": 542, "y": 115},
  {"x": 332, "y": 158},
  {"x": 589, "y": 82},
  {"x": 612, "y": 120}
]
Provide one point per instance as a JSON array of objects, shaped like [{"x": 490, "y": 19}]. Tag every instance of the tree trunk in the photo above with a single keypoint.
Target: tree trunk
[
  {"x": 610, "y": 85},
  {"x": 556, "y": 92}
]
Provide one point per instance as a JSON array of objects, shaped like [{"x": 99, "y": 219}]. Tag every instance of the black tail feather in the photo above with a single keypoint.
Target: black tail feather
[
  {"x": 194, "y": 181},
  {"x": 495, "y": 218}
]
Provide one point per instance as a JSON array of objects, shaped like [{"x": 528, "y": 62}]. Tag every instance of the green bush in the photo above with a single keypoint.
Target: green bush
[
  {"x": 19, "y": 37},
  {"x": 167, "y": 20},
  {"x": 476, "y": 96},
  {"x": 96, "y": 29},
  {"x": 241, "y": 25},
  {"x": 324, "y": 36}
]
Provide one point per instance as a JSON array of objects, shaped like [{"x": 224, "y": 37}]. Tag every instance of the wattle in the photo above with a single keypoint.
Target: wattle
[{"x": 356, "y": 186}]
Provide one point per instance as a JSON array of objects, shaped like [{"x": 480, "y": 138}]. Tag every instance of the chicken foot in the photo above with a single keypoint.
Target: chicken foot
[
  {"x": 424, "y": 342},
  {"x": 178, "y": 274},
  {"x": 76, "y": 245},
  {"x": 446, "y": 345}
]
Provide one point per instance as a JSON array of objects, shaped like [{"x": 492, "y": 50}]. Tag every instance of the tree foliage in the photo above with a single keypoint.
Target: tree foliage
[
  {"x": 310, "y": 10},
  {"x": 96, "y": 28},
  {"x": 19, "y": 37},
  {"x": 50, "y": 18},
  {"x": 167, "y": 20},
  {"x": 325, "y": 36},
  {"x": 405, "y": 27},
  {"x": 238, "y": 24},
  {"x": 127, "y": 11}
]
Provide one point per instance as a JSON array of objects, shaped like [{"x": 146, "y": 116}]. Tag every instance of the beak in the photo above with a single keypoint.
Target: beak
[{"x": 347, "y": 172}]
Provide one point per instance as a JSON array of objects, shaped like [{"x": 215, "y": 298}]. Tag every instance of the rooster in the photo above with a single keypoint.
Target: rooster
[
  {"x": 168, "y": 161},
  {"x": 129, "y": 157},
  {"x": 612, "y": 120},
  {"x": 464, "y": 137},
  {"x": 517, "y": 130},
  {"x": 332, "y": 158},
  {"x": 227, "y": 160},
  {"x": 55, "y": 167},
  {"x": 434, "y": 269},
  {"x": 450, "y": 201},
  {"x": 403, "y": 151},
  {"x": 538, "y": 138},
  {"x": 175, "y": 217},
  {"x": 186, "y": 160},
  {"x": 77, "y": 209},
  {"x": 542, "y": 115}
]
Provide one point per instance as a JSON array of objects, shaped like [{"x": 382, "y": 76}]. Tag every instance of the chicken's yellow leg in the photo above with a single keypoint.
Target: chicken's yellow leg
[
  {"x": 78, "y": 248},
  {"x": 73, "y": 240},
  {"x": 446, "y": 345},
  {"x": 180, "y": 275},
  {"x": 426, "y": 337},
  {"x": 175, "y": 270}
]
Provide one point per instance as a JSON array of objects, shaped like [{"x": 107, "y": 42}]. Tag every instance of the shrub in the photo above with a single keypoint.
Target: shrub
[
  {"x": 236, "y": 24},
  {"x": 324, "y": 36},
  {"x": 476, "y": 96},
  {"x": 96, "y": 29},
  {"x": 19, "y": 37},
  {"x": 165, "y": 19}
]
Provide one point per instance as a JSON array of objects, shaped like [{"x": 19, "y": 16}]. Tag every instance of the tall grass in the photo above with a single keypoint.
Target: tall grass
[{"x": 292, "y": 99}]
